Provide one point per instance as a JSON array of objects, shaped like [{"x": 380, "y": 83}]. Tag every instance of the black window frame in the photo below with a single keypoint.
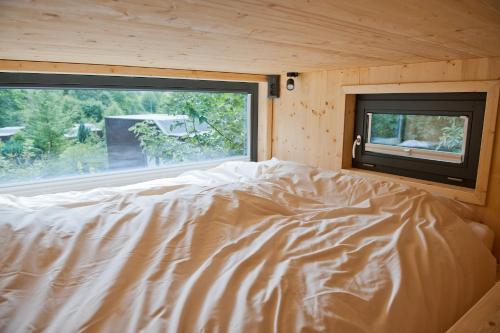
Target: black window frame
[
  {"x": 95, "y": 81},
  {"x": 467, "y": 104}
]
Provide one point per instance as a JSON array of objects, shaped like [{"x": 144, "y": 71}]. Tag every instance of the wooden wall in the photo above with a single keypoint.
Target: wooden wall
[{"x": 307, "y": 121}]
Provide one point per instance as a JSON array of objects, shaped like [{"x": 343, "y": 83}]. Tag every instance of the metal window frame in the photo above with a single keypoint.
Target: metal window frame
[
  {"x": 77, "y": 81},
  {"x": 462, "y": 174},
  {"x": 117, "y": 178}
]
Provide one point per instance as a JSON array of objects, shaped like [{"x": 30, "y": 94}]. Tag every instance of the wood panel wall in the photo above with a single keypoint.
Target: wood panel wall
[
  {"x": 307, "y": 121},
  {"x": 265, "y": 36}
]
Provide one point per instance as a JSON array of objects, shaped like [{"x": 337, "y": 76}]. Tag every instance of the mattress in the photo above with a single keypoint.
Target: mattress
[{"x": 245, "y": 247}]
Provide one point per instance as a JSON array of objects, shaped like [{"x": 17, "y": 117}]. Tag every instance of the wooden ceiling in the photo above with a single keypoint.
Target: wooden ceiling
[{"x": 249, "y": 36}]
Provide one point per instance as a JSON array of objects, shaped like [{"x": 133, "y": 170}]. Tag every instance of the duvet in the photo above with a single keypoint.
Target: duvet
[{"x": 245, "y": 247}]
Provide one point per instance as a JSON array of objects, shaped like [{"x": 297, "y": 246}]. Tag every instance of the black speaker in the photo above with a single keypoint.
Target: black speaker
[{"x": 273, "y": 84}]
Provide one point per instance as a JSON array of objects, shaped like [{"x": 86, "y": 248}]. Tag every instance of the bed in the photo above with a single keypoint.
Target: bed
[{"x": 245, "y": 247}]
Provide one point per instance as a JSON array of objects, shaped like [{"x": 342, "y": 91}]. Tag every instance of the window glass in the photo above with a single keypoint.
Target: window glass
[
  {"x": 429, "y": 136},
  {"x": 51, "y": 133},
  {"x": 426, "y": 132}
]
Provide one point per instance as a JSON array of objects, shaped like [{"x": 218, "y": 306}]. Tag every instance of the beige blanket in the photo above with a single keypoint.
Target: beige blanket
[{"x": 245, "y": 247}]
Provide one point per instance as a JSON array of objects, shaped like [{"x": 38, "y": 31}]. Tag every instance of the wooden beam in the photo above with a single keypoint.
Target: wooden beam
[
  {"x": 94, "y": 69},
  {"x": 348, "y": 134},
  {"x": 421, "y": 87},
  {"x": 488, "y": 138},
  {"x": 265, "y": 126}
]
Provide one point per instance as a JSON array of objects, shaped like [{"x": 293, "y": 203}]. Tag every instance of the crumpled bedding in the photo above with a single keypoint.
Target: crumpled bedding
[{"x": 245, "y": 247}]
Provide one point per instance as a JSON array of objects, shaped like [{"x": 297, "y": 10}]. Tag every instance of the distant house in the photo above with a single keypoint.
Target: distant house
[
  {"x": 73, "y": 131},
  {"x": 124, "y": 150},
  {"x": 8, "y": 132}
]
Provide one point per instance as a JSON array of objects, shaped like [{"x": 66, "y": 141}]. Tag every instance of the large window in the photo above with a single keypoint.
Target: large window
[
  {"x": 427, "y": 136},
  {"x": 57, "y": 126}
]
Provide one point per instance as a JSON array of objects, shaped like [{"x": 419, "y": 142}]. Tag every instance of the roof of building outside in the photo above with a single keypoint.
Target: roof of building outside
[
  {"x": 9, "y": 131},
  {"x": 151, "y": 117},
  {"x": 172, "y": 125},
  {"x": 73, "y": 131}
]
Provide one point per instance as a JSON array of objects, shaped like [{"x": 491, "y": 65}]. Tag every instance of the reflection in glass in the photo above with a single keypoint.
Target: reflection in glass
[{"x": 438, "y": 133}]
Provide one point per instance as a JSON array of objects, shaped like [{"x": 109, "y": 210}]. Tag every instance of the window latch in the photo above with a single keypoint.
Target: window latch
[{"x": 356, "y": 142}]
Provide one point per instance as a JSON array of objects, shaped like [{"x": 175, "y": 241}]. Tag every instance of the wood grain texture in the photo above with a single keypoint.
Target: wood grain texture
[
  {"x": 265, "y": 124},
  {"x": 348, "y": 131},
  {"x": 294, "y": 116},
  {"x": 73, "y": 68},
  {"x": 483, "y": 317},
  {"x": 252, "y": 36}
]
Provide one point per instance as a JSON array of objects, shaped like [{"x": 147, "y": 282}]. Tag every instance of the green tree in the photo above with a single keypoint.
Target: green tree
[
  {"x": 47, "y": 123},
  {"x": 216, "y": 127},
  {"x": 12, "y": 103},
  {"x": 224, "y": 113},
  {"x": 81, "y": 158},
  {"x": 19, "y": 149},
  {"x": 93, "y": 110},
  {"x": 128, "y": 101},
  {"x": 150, "y": 101},
  {"x": 160, "y": 147},
  {"x": 72, "y": 108},
  {"x": 113, "y": 110},
  {"x": 83, "y": 133}
]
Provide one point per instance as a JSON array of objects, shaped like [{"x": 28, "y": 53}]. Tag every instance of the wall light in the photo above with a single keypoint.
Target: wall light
[{"x": 290, "y": 83}]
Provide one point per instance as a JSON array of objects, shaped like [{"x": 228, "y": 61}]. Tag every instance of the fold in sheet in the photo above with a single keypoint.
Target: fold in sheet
[{"x": 245, "y": 247}]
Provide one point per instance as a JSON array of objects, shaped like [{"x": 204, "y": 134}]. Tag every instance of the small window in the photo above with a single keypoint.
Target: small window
[
  {"x": 428, "y": 136},
  {"x": 436, "y": 138},
  {"x": 56, "y": 126}
]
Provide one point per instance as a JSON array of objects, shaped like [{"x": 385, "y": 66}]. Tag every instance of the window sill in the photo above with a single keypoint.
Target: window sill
[
  {"x": 111, "y": 179},
  {"x": 473, "y": 196}
]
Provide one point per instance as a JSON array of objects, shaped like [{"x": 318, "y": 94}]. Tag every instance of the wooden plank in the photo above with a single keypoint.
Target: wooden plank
[
  {"x": 424, "y": 87},
  {"x": 348, "y": 131},
  {"x": 488, "y": 138},
  {"x": 265, "y": 124},
  {"x": 72, "y": 68},
  {"x": 268, "y": 36},
  {"x": 483, "y": 317},
  {"x": 303, "y": 120},
  {"x": 336, "y": 80}
]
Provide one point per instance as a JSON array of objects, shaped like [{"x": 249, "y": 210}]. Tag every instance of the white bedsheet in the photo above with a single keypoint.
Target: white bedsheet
[{"x": 245, "y": 247}]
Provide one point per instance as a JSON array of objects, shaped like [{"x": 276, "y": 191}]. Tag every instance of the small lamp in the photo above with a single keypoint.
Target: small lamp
[{"x": 290, "y": 83}]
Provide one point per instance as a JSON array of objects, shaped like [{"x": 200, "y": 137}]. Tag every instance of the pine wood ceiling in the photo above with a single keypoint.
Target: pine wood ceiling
[{"x": 249, "y": 36}]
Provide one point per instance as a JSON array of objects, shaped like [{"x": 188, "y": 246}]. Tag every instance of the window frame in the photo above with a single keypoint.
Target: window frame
[
  {"x": 467, "y": 104},
  {"x": 144, "y": 83}
]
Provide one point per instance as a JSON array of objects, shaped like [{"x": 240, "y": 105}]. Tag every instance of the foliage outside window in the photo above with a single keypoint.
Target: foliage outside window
[
  {"x": 49, "y": 133},
  {"x": 439, "y": 133}
]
